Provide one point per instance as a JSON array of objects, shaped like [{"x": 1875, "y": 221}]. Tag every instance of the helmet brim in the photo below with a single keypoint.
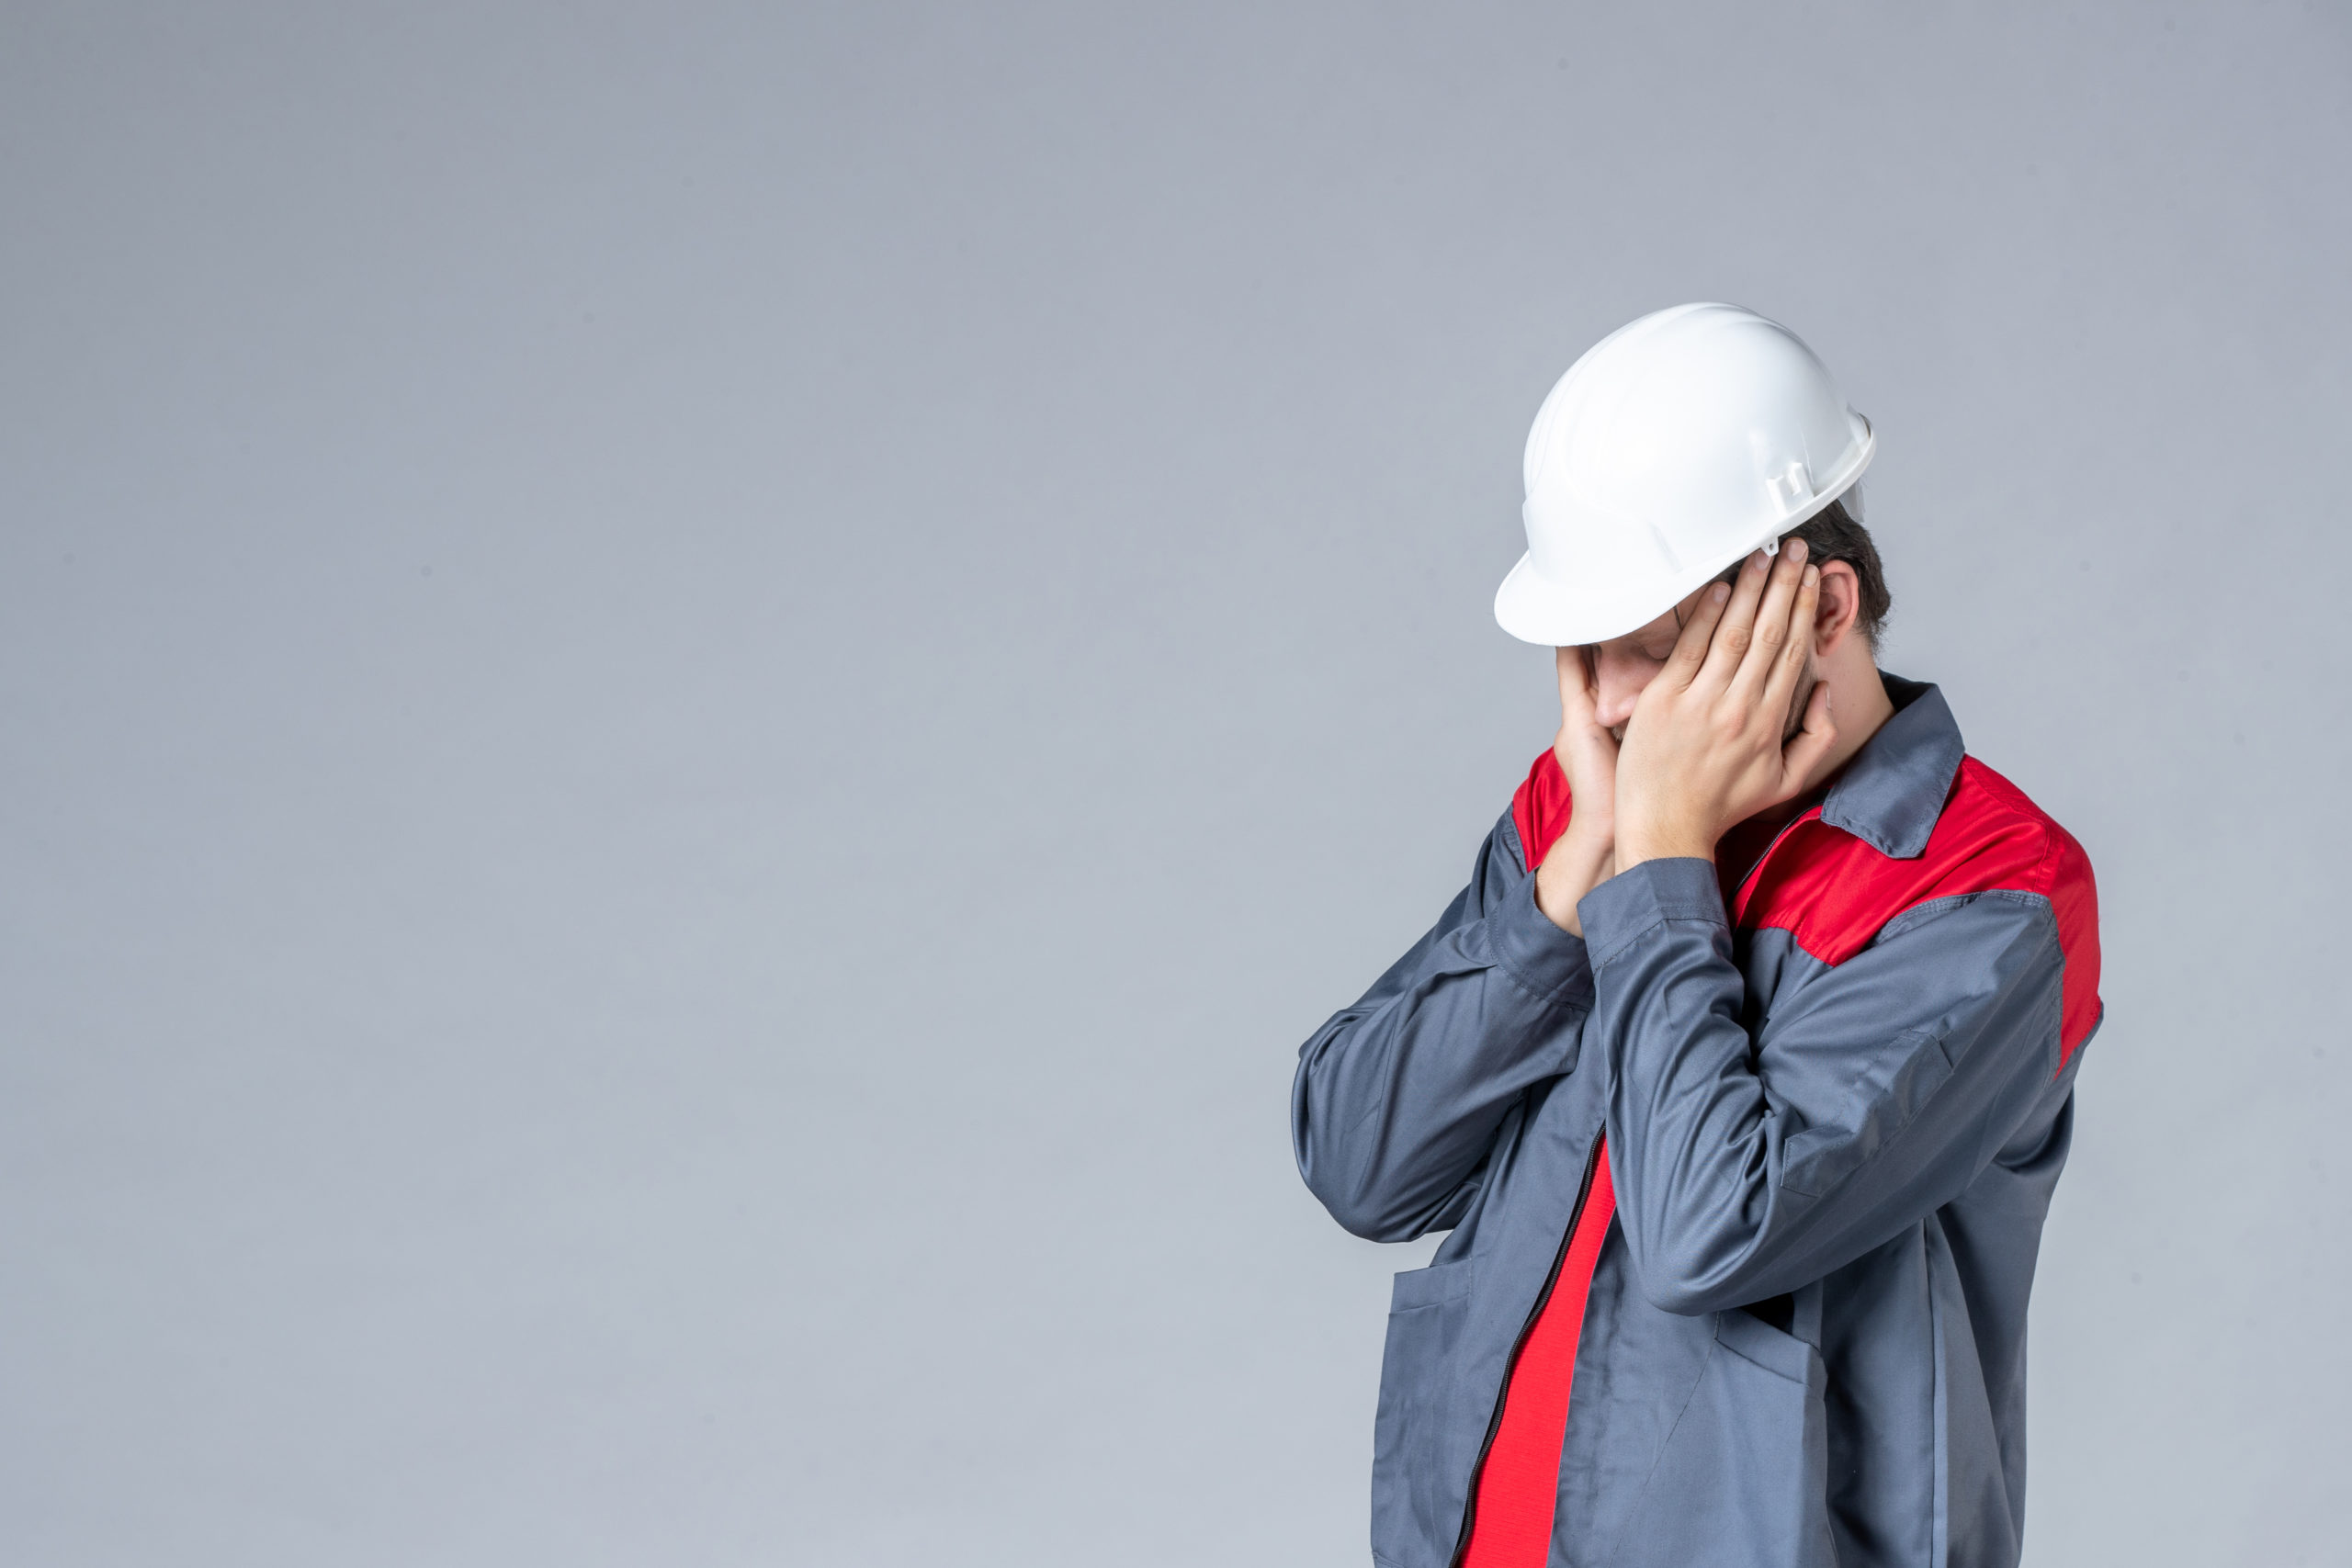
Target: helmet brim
[{"x": 1537, "y": 609}]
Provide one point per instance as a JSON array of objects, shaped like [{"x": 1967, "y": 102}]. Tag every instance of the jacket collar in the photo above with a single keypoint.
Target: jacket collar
[{"x": 1890, "y": 794}]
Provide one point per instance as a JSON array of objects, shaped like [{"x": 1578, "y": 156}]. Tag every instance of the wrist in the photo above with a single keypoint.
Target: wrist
[
  {"x": 1588, "y": 835},
  {"x": 1666, "y": 840},
  {"x": 1570, "y": 871}
]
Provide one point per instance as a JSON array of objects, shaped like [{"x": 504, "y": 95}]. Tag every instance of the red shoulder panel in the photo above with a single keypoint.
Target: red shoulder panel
[
  {"x": 1540, "y": 809},
  {"x": 1834, "y": 893}
]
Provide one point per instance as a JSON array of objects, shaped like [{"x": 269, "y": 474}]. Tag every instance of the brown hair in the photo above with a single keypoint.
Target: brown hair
[{"x": 1834, "y": 533}]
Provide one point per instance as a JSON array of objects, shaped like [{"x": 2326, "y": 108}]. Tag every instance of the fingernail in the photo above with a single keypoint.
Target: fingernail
[
  {"x": 1721, "y": 591},
  {"x": 1812, "y": 575},
  {"x": 1796, "y": 549}
]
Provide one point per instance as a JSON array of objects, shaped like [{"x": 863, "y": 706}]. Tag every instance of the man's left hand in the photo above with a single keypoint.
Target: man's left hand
[{"x": 1708, "y": 744}]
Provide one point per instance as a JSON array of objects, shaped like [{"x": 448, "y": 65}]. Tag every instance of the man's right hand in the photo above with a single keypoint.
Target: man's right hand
[{"x": 1587, "y": 752}]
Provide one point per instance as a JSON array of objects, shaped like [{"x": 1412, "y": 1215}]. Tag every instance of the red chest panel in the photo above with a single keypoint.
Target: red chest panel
[{"x": 1833, "y": 893}]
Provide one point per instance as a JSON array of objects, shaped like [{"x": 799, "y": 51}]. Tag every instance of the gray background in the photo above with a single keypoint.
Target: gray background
[{"x": 693, "y": 705}]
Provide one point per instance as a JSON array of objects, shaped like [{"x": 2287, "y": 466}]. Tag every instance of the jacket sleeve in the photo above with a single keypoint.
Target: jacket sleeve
[
  {"x": 1749, "y": 1164},
  {"x": 1397, "y": 1098}
]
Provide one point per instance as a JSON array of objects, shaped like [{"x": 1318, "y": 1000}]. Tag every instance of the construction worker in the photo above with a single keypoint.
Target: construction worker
[{"x": 1742, "y": 1070}]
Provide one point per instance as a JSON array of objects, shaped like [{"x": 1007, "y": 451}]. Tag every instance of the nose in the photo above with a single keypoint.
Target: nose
[{"x": 1619, "y": 678}]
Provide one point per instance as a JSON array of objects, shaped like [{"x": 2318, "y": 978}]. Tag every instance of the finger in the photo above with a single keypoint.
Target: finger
[
  {"x": 1689, "y": 655},
  {"x": 1737, "y": 629},
  {"x": 1769, "y": 636},
  {"x": 1578, "y": 702},
  {"x": 1781, "y": 680},
  {"x": 1806, "y": 749}
]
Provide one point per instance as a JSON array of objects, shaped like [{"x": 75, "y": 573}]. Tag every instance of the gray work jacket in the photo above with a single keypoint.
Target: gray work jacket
[{"x": 1836, "y": 1097}]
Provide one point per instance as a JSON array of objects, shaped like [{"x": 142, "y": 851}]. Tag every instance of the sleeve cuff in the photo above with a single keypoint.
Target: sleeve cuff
[
  {"x": 1618, "y": 912},
  {"x": 1537, "y": 953}
]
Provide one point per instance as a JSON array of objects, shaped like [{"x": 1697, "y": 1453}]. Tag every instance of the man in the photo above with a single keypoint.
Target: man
[{"x": 1742, "y": 1070}]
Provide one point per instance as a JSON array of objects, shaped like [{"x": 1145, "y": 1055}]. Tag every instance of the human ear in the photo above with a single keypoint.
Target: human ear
[{"x": 1840, "y": 604}]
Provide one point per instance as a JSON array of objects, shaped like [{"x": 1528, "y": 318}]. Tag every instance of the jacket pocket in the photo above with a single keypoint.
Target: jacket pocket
[
  {"x": 1412, "y": 1473},
  {"x": 1743, "y": 1480}
]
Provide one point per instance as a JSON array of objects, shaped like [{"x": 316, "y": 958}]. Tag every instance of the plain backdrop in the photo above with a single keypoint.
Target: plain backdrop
[{"x": 695, "y": 699}]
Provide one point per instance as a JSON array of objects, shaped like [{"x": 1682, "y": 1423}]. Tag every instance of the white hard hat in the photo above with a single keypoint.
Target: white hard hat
[{"x": 1676, "y": 446}]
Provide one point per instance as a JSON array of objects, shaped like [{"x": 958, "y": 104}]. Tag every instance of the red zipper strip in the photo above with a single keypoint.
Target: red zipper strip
[{"x": 1517, "y": 1484}]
